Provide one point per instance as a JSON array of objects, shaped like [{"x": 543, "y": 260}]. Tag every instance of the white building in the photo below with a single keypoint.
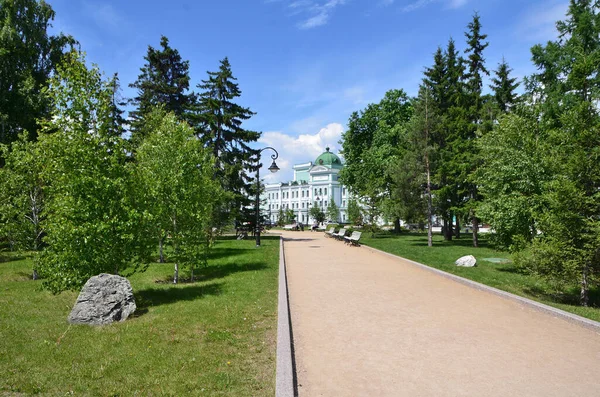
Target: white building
[{"x": 314, "y": 183}]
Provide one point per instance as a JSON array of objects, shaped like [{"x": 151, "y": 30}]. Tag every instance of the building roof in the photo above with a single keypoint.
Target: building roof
[{"x": 329, "y": 160}]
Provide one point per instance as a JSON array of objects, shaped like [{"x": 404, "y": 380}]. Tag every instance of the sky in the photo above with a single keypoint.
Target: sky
[{"x": 304, "y": 65}]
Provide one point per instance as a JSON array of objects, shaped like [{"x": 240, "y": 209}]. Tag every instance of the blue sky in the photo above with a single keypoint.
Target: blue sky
[{"x": 304, "y": 65}]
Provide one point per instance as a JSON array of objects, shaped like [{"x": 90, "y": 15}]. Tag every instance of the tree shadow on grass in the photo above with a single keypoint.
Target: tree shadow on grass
[
  {"x": 5, "y": 258},
  {"x": 215, "y": 272},
  {"x": 462, "y": 242},
  {"x": 225, "y": 252},
  {"x": 150, "y": 297},
  {"x": 511, "y": 269},
  {"x": 568, "y": 296}
]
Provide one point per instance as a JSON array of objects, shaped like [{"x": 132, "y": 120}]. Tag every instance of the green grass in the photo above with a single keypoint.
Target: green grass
[
  {"x": 502, "y": 276},
  {"x": 216, "y": 336}
]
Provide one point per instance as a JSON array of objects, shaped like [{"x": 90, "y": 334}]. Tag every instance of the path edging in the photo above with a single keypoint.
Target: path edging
[
  {"x": 284, "y": 383},
  {"x": 573, "y": 318}
]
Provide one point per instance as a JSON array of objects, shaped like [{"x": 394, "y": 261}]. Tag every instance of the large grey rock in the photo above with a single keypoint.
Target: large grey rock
[
  {"x": 466, "y": 261},
  {"x": 103, "y": 299}
]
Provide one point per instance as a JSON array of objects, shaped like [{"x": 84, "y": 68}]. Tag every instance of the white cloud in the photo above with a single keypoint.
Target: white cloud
[
  {"x": 415, "y": 5},
  {"x": 539, "y": 23},
  {"x": 315, "y": 12},
  {"x": 104, "y": 15},
  {"x": 296, "y": 150}
]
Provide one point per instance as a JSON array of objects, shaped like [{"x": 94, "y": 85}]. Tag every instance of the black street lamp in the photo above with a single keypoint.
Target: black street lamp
[{"x": 273, "y": 168}]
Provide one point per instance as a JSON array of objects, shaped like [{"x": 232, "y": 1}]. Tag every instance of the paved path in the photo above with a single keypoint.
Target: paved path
[{"x": 365, "y": 324}]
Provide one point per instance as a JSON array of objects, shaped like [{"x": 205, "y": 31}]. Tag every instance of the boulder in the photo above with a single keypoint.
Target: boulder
[
  {"x": 103, "y": 299},
  {"x": 466, "y": 261}
]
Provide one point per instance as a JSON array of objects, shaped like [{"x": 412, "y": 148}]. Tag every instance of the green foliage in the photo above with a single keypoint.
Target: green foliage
[
  {"x": 512, "y": 178},
  {"x": 174, "y": 173},
  {"x": 22, "y": 194},
  {"x": 92, "y": 221},
  {"x": 281, "y": 217},
  {"x": 372, "y": 145},
  {"x": 317, "y": 213},
  {"x": 354, "y": 212},
  {"x": 333, "y": 212},
  {"x": 219, "y": 125},
  {"x": 164, "y": 81},
  {"x": 542, "y": 170},
  {"x": 28, "y": 56},
  {"x": 413, "y": 174},
  {"x": 504, "y": 87}
]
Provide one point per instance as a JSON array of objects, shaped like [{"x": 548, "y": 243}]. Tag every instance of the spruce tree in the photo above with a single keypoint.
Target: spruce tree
[
  {"x": 29, "y": 55},
  {"x": 567, "y": 88},
  {"x": 164, "y": 81},
  {"x": 219, "y": 125},
  {"x": 504, "y": 87},
  {"x": 467, "y": 159}
]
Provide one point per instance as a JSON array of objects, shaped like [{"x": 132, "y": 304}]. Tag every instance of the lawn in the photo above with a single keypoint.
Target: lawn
[
  {"x": 216, "y": 336},
  {"x": 504, "y": 276}
]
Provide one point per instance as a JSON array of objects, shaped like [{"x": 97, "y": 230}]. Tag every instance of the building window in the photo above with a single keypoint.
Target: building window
[
  {"x": 315, "y": 192},
  {"x": 303, "y": 194},
  {"x": 277, "y": 194},
  {"x": 343, "y": 217},
  {"x": 343, "y": 191},
  {"x": 325, "y": 191},
  {"x": 343, "y": 203},
  {"x": 324, "y": 203},
  {"x": 320, "y": 192}
]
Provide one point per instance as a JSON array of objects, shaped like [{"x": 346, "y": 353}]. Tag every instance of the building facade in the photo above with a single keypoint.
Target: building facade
[{"x": 315, "y": 183}]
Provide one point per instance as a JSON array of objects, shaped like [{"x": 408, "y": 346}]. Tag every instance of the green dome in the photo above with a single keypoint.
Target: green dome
[{"x": 329, "y": 160}]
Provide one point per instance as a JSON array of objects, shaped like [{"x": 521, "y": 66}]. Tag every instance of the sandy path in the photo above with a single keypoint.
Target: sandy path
[{"x": 366, "y": 324}]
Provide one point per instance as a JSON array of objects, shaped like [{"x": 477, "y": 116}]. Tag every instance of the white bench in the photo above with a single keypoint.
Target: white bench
[
  {"x": 340, "y": 235},
  {"x": 353, "y": 239},
  {"x": 330, "y": 232}
]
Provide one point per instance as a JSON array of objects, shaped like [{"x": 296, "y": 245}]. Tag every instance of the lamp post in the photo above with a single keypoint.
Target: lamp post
[{"x": 273, "y": 168}]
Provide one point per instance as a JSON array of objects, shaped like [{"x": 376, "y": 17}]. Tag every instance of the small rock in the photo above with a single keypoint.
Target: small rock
[
  {"x": 103, "y": 299},
  {"x": 466, "y": 261}
]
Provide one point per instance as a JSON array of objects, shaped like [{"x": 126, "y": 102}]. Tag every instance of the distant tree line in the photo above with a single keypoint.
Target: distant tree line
[
  {"x": 92, "y": 190},
  {"x": 526, "y": 164}
]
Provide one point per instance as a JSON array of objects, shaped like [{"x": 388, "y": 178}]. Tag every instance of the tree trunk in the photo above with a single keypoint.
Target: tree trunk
[
  {"x": 397, "y": 226},
  {"x": 192, "y": 275},
  {"x": 160, "y": 250},
  {"x": 429, "y": 202},
  {"x": 448, "y": 228},
  {"x": 176, "y": 275},
  {"x": 457, "y": 229},
  {"x": 584, "y": 297},
  {"x": 475, "y": 229}
]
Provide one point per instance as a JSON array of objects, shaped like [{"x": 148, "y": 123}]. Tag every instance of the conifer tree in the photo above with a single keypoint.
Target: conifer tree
[
  {"x": 333, "y": 212},
  {"x": 219, "y": 125},
  {"x": 164, "y": 80},
  {"x": 504, "y": 87},
  {"x": 467, "y": 159},
  {"x": 28, "y": 57},
  {"x": 567, "y": 88}
]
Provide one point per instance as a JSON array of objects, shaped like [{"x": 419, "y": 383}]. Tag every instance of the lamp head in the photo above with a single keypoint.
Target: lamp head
[{"x": 274, "y": 168}]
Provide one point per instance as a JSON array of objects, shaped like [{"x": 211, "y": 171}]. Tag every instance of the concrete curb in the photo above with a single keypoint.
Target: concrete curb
[
  {"x": 284, "y": 383},
  {"x": 573, "y": 318}
]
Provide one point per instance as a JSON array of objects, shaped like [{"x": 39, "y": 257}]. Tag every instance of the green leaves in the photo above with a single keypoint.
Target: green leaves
[
  {"x": 93, "y": 223},
  {"x": 29, "y": 56},
  {"x": 175, "y": 178}
]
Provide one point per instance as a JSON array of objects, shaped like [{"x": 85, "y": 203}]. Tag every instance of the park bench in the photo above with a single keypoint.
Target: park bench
[
  {"x": 353, "y": 239},
  {"x": 340, "y": 235},
  {"x": 293, "y": 226},
  {"x": 330, "y": 232}
]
